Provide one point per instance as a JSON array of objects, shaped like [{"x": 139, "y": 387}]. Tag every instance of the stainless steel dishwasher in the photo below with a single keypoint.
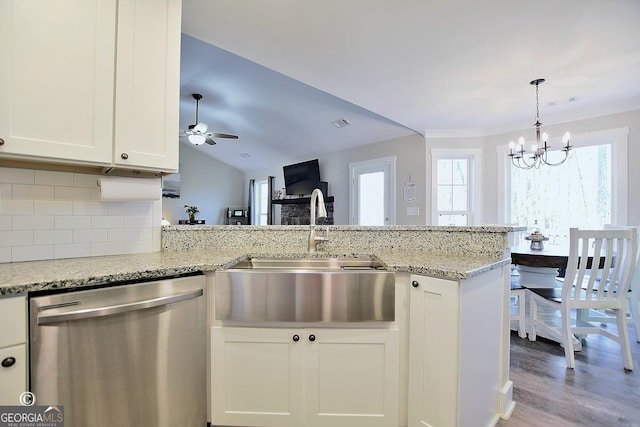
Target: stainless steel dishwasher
[{"x": 130, "y": 355}]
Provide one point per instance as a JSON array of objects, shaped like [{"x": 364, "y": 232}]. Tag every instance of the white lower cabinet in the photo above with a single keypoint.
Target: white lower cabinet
[
  {"x": 13, "y": 349},
  {"x": 456, "y": 350},
  {"x": 304, "y": 377}
]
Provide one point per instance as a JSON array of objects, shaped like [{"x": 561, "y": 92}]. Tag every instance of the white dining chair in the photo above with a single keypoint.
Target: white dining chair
[
  {"x": 600, "y": 284},
  {"x": 517, "y": 306},
  {"x": 633, "y": 296}
]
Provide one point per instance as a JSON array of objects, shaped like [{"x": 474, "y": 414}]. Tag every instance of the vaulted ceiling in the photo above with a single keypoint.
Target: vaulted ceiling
[{"x": 277, "y": 73}]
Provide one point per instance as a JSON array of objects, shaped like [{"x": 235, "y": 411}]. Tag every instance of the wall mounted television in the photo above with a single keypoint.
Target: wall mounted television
[{"x": 302, "y": 178}]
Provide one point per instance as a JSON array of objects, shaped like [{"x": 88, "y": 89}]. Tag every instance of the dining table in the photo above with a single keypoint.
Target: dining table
[{"x": 540, "y": 268}]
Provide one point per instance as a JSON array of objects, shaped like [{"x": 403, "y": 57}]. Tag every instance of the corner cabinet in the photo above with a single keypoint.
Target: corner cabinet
[
  {"x": 91, "y": 82},
  {"x": 293, "y": 377},
  {"x": 13, "y": 350},
  {"x": 457, "y": 357}
]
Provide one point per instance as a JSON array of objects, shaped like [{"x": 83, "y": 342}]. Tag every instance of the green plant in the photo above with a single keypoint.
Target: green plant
[{"x": 191, "y": 211}]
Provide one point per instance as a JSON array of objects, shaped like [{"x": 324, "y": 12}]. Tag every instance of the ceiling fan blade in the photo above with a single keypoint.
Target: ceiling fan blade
[
  {"x": 225, "y": 135},
  {"x": 210, "y": 141}
]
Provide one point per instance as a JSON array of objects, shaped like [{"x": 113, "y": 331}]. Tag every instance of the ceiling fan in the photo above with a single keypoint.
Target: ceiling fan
[{"x": 197, "y": 133}]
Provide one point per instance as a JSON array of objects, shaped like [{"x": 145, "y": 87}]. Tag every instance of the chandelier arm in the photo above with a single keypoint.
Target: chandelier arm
[
  {"x": 566, "y": 156},
  {"x": 524, "y": 165}
]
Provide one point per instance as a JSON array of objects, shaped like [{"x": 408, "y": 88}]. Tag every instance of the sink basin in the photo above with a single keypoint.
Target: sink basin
[
  {"x": 309, "y": 289},
  {"x": 314, "y": 263}
]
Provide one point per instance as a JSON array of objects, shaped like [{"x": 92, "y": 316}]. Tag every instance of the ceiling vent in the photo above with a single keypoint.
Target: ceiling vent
[{"x": 340, "y": 123}]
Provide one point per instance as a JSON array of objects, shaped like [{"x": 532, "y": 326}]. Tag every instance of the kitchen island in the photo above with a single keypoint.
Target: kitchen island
[{"x": 452, "y": 370}]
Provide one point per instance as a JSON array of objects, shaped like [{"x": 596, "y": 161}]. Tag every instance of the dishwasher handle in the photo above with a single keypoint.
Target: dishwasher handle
[{"x": 44, "y": 318}]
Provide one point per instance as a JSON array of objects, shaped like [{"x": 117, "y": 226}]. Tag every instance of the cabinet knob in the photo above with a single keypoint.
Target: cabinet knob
[
  {"x": 415, "y": 284},
  {"x": 296, "y": 338},
  {"x": 8, "y": 362},
  {"x": 124, "y": 156},
  {"x": 312, "y": 337},
  {"x": 1, "y": 141}
]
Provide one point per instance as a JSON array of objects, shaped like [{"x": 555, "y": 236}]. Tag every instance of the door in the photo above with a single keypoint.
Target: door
[
  {"x": 351, "y": 377},
  {"x": 57, "y": 79},
  {"x": 372, "y": 192},
  {"x": 256, "y": 377}
]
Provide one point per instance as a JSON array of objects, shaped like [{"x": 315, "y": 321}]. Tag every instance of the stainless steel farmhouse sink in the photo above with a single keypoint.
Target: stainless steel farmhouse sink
[{"x": 308, "y": 289}]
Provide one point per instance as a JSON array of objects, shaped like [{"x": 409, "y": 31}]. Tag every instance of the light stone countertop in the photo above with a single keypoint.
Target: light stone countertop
[{"x": 31, "y": 276}]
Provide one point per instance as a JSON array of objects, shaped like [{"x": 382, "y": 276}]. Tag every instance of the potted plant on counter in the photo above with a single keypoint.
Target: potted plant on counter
[{"x": 191, "y": 211}]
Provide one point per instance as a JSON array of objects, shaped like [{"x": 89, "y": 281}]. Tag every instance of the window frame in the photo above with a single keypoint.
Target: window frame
[
  {"x": 387, "y": 165},
  {"x": 619, "y": 140},
  {"x": 474, "y": 156}
]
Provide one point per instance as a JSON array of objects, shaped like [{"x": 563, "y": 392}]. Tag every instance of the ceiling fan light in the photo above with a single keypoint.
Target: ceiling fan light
[
  {"x": 197, "y": 139},
  {"x": 201, "y": 128}
]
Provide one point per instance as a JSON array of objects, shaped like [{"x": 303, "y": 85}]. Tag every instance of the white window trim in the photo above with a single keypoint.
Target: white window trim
[
  {"x": 389, "y": 163},
  {"x": 619, "y": 138},
  {"x": 256, "y": 214},
  {"x": 475, "y": 184}
]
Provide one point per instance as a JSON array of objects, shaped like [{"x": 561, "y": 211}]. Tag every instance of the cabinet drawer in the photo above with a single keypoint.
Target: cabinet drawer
[{"x": 13, "y": 318}]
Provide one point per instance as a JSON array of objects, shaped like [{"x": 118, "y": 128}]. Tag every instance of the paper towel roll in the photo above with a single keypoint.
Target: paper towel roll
[{"x": 121, "y": 189}]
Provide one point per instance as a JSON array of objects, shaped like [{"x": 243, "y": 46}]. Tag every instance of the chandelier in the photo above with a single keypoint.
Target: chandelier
[{"x": 537, "y": 156}]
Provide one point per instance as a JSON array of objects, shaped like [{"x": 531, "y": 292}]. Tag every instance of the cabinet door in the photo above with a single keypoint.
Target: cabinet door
[
  {"x": 57, "y": 79},
  {"x": 148, "y": 84},
  {"x": 433, "y": 352},
  {"x": 256, "y": 377},
  {"x": 13, "y": 318},
  {"x": 351, "y": 377},
  {"x": 13, "y": 379}
]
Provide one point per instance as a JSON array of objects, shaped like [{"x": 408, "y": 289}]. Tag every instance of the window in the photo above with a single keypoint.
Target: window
[
  {"x": 587, "y": 191},
  {"x": 261, "y": 202},
  {"x": 455, "y": 180},
  {"x": 372, "y": 195}
]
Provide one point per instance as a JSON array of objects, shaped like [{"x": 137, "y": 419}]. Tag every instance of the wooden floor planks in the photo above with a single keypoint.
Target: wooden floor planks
[{"x": 598, "y": 392}]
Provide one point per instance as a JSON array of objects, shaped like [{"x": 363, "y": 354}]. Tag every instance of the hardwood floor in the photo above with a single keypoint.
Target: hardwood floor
[{"x": 598, "y": 392}]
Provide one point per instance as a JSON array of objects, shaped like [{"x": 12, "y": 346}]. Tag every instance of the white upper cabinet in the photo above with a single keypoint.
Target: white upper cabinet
[
  {"x": 148, "y": 84},
  {"x": 90, "y": 82}
]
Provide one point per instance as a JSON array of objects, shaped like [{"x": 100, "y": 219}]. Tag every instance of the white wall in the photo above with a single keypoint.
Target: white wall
[
  {"x": 50, "y": 215},
  {"x": 334, "y": 168},
  {"x": 206, "y": 183}
]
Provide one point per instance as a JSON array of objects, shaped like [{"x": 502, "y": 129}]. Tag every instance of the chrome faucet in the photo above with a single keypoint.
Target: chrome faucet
[{"x": 322, "y": 213}]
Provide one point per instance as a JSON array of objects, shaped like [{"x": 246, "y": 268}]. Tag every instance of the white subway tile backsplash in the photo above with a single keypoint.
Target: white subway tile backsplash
[
  {"x": 32, "y": 222},
  {"x": 16, "y": 238},
  {"x": 72, "y": 193},
  {"x": 107, "y": 248},
  {"x": 32, "y": 192},
  {"x": 145, "y": 233},
  {"x": 85, "y": 180},
  {"x": 72, "y": 250},
  {"x": 17, "y": 176},
  {"x": 5, "y": 222},
  {"x": 54, "y": 178},
  {"x": 31, "y": 253},
  {"x": 122, "y": 208},
  {"x": 6, "y": 192},
  {"x": 89, "y": 236},
  {"x": 138, "y": 221},
  {"x": 5, "y": 254},
  {"x": 138, "y": 246},
  {"x": 52, "y": 215},
  {"x": 16, "y": 207},
  {"x": 52, "y": 237},
  {"x": 89, "y": 208},
  {"x": 122, "y": 234},
  {"x": 52, "y": 207},
  {"x": 106, "y": 222},
  {"x": 72, "y": 222},
  {"x": 145, "y": 208}
]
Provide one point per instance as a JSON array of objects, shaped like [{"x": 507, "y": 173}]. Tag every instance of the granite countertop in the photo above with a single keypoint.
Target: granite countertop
[{"x": 30, "y": 276}]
